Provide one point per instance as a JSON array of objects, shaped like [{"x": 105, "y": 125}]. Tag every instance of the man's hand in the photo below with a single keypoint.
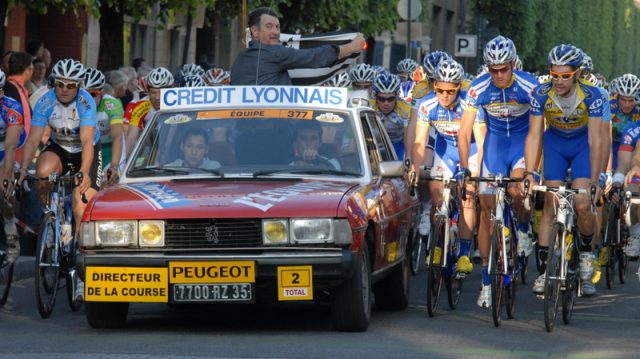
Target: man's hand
[
  {"x": 85, "y": 184},
  {"x": 354, "y": 46},
  {"x": 633, "y": 172},
  {"x": 309, "y": 154}
]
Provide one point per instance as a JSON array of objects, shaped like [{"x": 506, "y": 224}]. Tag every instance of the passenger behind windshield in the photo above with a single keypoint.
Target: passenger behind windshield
[
  {"x": 194, "y": 148},
  {"x": 308, "y": 137}
]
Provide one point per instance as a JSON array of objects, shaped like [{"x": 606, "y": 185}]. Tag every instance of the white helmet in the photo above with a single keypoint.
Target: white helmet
[
  {"x": 340, "y": 79},
  {"x": 587, "y": 63},
  {"x": 159, "y": 77},
  {"x": 449, "y": 71},
  {"x": 386, "y": 83},
  {"x": 216, "y": 76},
  {"x": 69, "y": 69},
  {"x": 566, "y": 55},
  {"x": 406, "y": 66},
  {"x": 519, "y": 65},
  {"x": 628, "y": 85},
  {"x": 3, "y": 78},
  {"x": 613, "y": 86},
  {"x": 499, "y": 50},
  {"x": 190, "y": 70},
  {"x": 362, "y": 73},
  {"x": 544, "y": 78},
  {"x": 93, "y": 79},
  {"x": 432, "y": 60},
  {"x": 192, "y": 81}
]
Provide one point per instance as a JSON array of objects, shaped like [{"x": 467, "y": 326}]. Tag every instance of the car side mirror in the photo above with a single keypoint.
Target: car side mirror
[{"x": 392, "y": 169}]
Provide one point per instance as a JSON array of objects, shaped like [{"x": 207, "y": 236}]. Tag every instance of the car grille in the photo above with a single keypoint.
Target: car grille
[{"x": 213, "y": 233}]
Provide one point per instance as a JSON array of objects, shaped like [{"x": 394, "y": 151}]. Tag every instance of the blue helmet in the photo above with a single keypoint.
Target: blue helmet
[
  {"x": 386, "y": 83},
  {"x": 587, "y": 63},
  {"x": 432, "y": 60},
  {"x": 499, "y": 50},
  {"x": 566, "y": 55}
]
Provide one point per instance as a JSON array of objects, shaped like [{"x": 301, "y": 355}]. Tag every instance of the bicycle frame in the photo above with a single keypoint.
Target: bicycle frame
[{"x": 444, "y": 212}]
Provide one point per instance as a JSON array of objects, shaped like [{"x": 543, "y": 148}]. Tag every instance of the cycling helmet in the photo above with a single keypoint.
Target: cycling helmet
[
  {"x": 406, "y": 66},
  {"x": 386, "y": 83},
  {"x": 3, "y": 79},
  {"x": 159, "y": 77},
  {"x": 565, "y": 55},
  {"x": 191, "y": 70},
  {"x": 340, "y": 79},
  {"x": 362, "y": 73},
  {"x": 628, "y": 85},
  {"x": 449, "y": 71},
  {"x": 217, "y": 76},
  {"x": 590, "y": 78},
  {"x": 93, "y": 79},
  {"x": 192, "y": 81},
  {"x": 518, "y": 63},
  {"x": 432, "y": 60},
  {"x": 587, "y": 63},
  {"x": 613, "y": 86},
  {"x": 379, "y": 69},
  {"x": 69, "y": 69},
  {"x": 499, "y": 50},
  {"x": 544, "y": 78}
]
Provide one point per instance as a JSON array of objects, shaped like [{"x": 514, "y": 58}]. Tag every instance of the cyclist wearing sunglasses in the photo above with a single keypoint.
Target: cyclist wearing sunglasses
[
  {"x": 393, "y": 111},
  {"x": 70, "y": 112},
  {"x": 109, "y": 119},
  {"x": 156, "y": 80},
  {"x": 572, "y": 110},
  {"x": 12, "y": 136},
  {"x": 503, "y": 94},
  {"x": 442, "y": 110}
]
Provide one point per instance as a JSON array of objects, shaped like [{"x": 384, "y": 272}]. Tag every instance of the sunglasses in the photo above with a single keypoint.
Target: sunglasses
[
  {"x": 69, "y": 85},
  {"x": 562, "y": 75},
  {"x": 95, "y": 93},
  {"x": 501, "y": 70},
  {"x": 440, "y": 91},
  {"x": 385, "y": 99}
]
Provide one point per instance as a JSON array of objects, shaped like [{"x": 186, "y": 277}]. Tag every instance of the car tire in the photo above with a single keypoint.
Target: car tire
[
  {"x": 351, "y": 302},
  {"x": 392, "y": 293},
  {"x": 106, "y": 315}
]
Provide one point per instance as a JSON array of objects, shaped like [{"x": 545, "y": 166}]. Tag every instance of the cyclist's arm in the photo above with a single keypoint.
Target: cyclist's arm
[
  {"x": 132, "y": 137},
  {"x": 87, "y": 135},
  {"x": 596, "y": 151},
  {"x": 30, "y": 146},
  {"x": 421, "y": 135},
  {"x": 607, "y": 144},
  {"x": 635, "y": 166},
  {"x": 624, "y": 161},
  {"x": 479, "y": 133},
  {"x": 410, "y": 136},
  {"x": 464, "y": 136},
  {"x": 533, "y": 142},
  {"x": 116, "y": 147},
  {"x": 10, "y": 143}
]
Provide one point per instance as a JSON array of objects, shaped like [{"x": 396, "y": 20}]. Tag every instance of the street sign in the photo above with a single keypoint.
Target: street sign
[
  {"x": 466, "y": 45},
  {"x": 403, "y": 9}
]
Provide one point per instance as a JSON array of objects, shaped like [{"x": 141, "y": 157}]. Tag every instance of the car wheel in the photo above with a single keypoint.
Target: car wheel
[
  {"x": 392, "y": 293},
  {"x": 106, "y": 315},
  {"x": 351, "y": 302}
]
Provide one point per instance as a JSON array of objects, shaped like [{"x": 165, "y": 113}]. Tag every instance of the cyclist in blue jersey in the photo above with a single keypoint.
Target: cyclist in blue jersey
[
  {"x": 503, "y": 94},
  {"x": 626, "y": 152},
  {"x": 442, "y": 111},
  {"x": 623, "y": 110},
  {"x": 70, "y": 112},
  {"x": 405, "y": 71},
  {"x": 574, "y": 139},
  {"x": 12, "y": 136},
  {"x": 393, "y": 111}
]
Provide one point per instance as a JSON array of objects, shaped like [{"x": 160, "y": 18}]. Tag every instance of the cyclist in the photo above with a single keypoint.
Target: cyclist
[
  {"x": 12, "y": 136},
  {"x": 574, "y": 139},
  {"x": 503, "y": 94},
  {"x": 393, "y": 111},
  {"x": 443, "y": 111},
  {"x": 405, "y": 70},
  {"x": 362, "y": 76},
  {"x": 70, "y": 112},
  {"x": 156, "y": 80},
  {"x": 216, "y": 77},
  {"x": 340, "y": 79},
  {"x": 188, "y": 70},
  {"x": 193, "y": 81},
  {"x": 623, "y": 110},
  {"x": 109, "y": 118}
]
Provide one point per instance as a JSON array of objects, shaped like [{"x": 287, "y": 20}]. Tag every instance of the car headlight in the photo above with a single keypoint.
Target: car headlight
[
  {"x": 151, "y": 233},
  {"x": 311, "y": 230},
  {"x": 116, "y": 233},
  {"x": 342, "y": 233},
  {"x": 87, "y": 234},
  {"x": 275, "y": 231}
]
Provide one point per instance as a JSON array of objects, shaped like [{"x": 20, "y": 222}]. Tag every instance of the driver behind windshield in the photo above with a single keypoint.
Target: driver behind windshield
[
  {"x": 194, "y": 148},
  {"x": 307, "y": 140}
]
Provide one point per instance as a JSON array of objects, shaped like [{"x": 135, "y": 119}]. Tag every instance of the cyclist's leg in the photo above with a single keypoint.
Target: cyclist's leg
[
  {"x": 95, "y": 174},
  {"x": 632, "y": 249},
  {"x": 10, "y": 227},
  {"x": 525, "y": 235},
  {"x": 50, "y": 160},
  {"x": 467, "y": 220}
]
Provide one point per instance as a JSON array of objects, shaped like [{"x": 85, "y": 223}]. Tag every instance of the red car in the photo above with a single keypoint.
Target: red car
[{"x": 250, "y": 195}]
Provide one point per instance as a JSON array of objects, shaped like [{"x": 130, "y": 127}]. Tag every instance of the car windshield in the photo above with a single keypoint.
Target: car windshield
[{"x": 252, "y": 142}]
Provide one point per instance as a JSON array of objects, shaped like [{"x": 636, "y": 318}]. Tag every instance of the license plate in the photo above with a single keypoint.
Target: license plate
[{"x": 237, "y": 292}]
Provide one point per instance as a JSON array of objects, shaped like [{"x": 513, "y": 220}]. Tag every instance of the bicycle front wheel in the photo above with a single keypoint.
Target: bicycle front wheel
[
  {"x": 496, "y": 262},
  {"x": 434, "y": 267},
  {"x": 6, "y": 277},
  {"x": 47, "y": 267},
  {"x": 570, "y": 291},
  {"x": 609, "y": 238},
  {"x": 552, "y": 278}
]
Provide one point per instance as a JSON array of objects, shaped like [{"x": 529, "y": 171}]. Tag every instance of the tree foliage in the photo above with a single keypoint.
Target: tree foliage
[{"x": 604, "y": 29}]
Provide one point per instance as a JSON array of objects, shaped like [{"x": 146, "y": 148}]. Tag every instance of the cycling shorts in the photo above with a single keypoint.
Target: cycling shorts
[
  {"x": 74, "y": 160},
  {"x": 446, "y": 159},
  {"x": 561, "y": 153},
  {"x": 502, "y": 154}
]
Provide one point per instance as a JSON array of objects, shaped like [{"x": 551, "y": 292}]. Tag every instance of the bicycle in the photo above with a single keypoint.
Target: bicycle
[
  {"x": 562, "y": 281},
  {"x": 443, "y": 249},
  {"x": 615, "y": 235},
  {"x": 504, "y": 262},
  {"x": 419, "y": 240},
  {"x": 52, "y": 262}
]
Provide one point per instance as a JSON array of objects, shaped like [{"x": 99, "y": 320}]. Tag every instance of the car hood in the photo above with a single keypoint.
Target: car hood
[{"x": 220, "y": 199}]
